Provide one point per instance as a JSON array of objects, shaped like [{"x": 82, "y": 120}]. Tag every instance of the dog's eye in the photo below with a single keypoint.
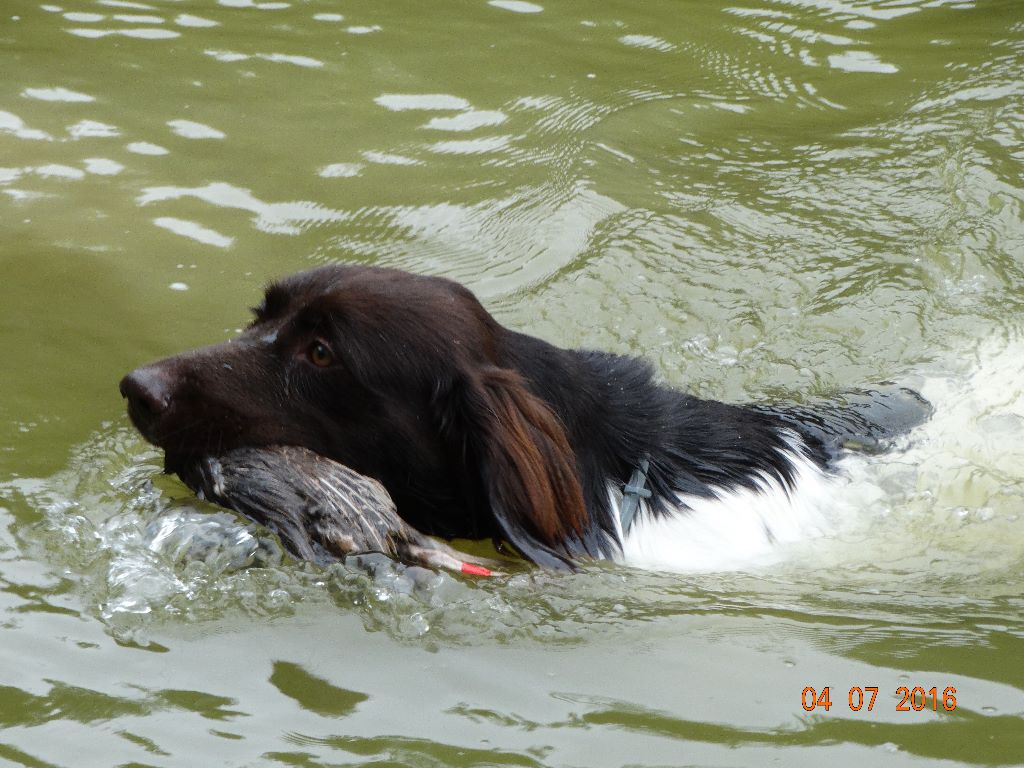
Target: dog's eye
[{"x": 320, "y": 354}]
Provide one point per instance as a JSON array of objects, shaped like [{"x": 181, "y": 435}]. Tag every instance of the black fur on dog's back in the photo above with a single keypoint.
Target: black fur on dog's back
[{"x": 474, "y": 429}]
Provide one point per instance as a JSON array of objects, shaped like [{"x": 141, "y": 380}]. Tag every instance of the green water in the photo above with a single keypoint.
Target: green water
[{"x": 767, "y": 199}]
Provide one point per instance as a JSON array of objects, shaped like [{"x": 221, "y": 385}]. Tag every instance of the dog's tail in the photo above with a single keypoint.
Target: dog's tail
[{"x": 864, "y": 420}]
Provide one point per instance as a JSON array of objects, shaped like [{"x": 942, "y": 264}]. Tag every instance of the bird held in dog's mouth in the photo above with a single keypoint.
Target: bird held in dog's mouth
[{"x": 322, "y": 510}]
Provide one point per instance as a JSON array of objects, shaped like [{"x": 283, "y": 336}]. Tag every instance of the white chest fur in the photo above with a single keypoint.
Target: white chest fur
[{"x": 734, "y": 529}]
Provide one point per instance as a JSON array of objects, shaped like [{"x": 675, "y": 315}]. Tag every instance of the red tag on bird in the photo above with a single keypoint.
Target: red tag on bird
[{"x": 475, "y": 570}]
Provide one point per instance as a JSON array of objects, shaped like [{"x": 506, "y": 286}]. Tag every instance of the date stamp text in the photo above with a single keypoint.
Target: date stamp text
[{"x": 860, "y": 698}]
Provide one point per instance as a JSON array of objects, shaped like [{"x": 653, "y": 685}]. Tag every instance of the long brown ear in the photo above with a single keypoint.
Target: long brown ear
[{"x": 526, "y": 466}]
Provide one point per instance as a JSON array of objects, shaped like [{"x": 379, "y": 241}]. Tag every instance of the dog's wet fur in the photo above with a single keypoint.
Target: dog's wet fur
[{"x": 477, "y": 430}]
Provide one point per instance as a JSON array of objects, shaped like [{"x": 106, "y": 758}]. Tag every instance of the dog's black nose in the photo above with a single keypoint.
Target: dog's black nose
[{"x": 148, "y": 392}]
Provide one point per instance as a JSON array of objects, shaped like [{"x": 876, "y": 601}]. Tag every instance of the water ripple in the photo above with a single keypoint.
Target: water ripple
[
  {"x": 57, "y": 94},
  {"x": 516, "y": 6},
  {"x": 647, "y": 41},
  {"x": 400, "y": 102},
  {"x": 146, "y": 148},
  {"x": 93, "y": 129},
  {"x": 497, "y": 246},
  {"x": 194, "y": 231},
  {"x": 141, "y": 33},
  {"x": 278, "y": 218},
  {"x": 229, "y": 57},
  {"x": 11, "y": 123},
  {"x": 190, "y": 129},
  {"x": 197, "y": 22},
  {"x": 469, "y": 120}
]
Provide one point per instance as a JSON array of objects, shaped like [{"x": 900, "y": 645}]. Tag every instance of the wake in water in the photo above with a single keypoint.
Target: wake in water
[
  {"x": 950, "y": 504},
  {"x": 943, "y": 513}
]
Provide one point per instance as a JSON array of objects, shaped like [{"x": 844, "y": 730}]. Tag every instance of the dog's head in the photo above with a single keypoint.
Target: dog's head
[{"x": 401, "y": 377}]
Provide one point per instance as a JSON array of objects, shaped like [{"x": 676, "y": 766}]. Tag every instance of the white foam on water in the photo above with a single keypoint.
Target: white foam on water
[{"x": 948, "y": 502}]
